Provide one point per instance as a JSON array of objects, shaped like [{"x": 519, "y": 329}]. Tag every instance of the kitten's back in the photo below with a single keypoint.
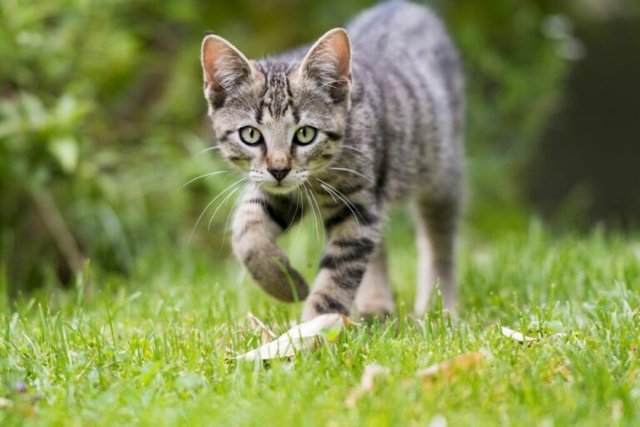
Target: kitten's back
[
  {"x": 399, "y": 33},
  {"x": 408, "y": 68}
]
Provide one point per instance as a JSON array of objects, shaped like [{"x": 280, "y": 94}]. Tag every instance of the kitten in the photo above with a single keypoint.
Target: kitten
[{"x": 364, "y": 118}]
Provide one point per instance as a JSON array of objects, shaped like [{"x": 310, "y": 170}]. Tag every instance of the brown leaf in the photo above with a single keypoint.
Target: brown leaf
[
  {"x": 22, "y": 407},
  {"x": 367, "y": 382},
  {"x": 448, "y": 369}
]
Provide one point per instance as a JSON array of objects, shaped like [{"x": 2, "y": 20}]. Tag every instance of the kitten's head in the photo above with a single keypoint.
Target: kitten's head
[{"x": 279, "y": 122}]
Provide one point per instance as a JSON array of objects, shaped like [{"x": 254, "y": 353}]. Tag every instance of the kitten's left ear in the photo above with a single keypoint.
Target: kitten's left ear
[
  {"x": 224, "y": 67},
  {"x": 329, "y": 62}
]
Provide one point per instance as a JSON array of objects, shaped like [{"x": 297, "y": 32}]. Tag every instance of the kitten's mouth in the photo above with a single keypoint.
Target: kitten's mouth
[{"x": 280, "y": 187}]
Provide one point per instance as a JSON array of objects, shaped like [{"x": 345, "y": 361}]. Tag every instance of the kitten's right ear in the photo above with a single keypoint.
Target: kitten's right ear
[
  {"x": 328, "y": 62},
  {"x": 223, "y": 67}
]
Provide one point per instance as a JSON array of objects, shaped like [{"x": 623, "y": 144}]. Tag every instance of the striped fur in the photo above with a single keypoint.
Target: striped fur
[{"x": 386, "y": 98}]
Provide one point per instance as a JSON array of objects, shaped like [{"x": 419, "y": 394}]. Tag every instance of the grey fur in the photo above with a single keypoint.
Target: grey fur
[{"x": 389, "y": 112}]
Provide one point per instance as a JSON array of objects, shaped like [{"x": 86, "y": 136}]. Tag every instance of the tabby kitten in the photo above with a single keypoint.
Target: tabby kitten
[{"x": 364, "y": 118}]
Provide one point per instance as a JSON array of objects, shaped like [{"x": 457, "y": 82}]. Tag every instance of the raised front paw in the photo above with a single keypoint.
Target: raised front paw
[
  {"x": 277, "y": 277},
  {"x": 375, "y": 307}
]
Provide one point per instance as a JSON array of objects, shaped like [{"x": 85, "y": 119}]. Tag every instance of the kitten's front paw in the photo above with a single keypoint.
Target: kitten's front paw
[
  {"x": 295, "y": 288},
  {"x": 289, "y": 287},
  {"x": 278, "y": 278},
  {"x": 374, "y": 300},
  {"x": 375, "y": 309}
]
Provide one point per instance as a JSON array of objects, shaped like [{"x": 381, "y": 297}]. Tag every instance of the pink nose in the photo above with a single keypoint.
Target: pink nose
[{"x": 279, "y": 174}]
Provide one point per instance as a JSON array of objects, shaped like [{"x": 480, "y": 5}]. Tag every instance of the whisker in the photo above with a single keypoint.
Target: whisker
[
  {"x": 313, "y": 212},
  {"x": 345, "y": 199},
  {"x": 336, "y": 191},
  {"x": 263, "y": 222},
  {"x": 295, "y": 212},
  {"x": 353, "y": 211},
  {"x": 331, "y": 190},
  {"x": 209, "y": 205},
  {"x": 206, "y": 150},
  {"x": 301, "y": 202},
  {"x": 231, "y": 212},
  {"x": 355, "y": 173},
  {"x": 220, "y": 205},
  {"x": 357, "y": 150},
  {"x": 204, "y": 176},
  {"x": 313, "y": 197}
]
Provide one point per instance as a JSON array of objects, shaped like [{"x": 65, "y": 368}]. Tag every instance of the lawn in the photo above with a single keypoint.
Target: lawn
[{"x": 153, "y": 349}]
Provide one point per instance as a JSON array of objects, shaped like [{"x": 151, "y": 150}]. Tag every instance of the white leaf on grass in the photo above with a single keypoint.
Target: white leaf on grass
[
  {"x": 516, "y": 336},
  {"x": 438, "y": 421},
  {"x": 371, "y": 372},
  {"x": 300, "y": 337},
  {"x": 5, "y": 403}
]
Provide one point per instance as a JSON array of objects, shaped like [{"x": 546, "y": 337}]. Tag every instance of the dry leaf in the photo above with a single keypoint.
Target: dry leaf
[
  {"x": 438, "y": 421},
  {"x": 301, "y": 337},
  {"x": 21, "y": 407},
  {"x": 371, "y": 372},
  {"x": 266, "y": 334},
  {"x": 558, "y": 335},
  {"x": 518, "y": 336},
  {"x": 449, "y": 368},
  {"x": 515, "y": 335}
]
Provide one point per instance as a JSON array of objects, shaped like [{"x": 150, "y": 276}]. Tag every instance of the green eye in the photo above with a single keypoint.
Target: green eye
[
  {"x": 305, "y": 135},
  {"x": 250, "y": 135}
]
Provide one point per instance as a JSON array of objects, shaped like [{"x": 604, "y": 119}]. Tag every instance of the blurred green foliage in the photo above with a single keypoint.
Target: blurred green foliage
[{"x": 102, "y": 119}]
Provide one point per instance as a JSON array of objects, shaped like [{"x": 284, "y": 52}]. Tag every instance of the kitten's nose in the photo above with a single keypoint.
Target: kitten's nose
[{"x": 279, "y": 174}]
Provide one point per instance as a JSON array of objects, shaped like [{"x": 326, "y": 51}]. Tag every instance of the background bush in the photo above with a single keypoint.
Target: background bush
[{"x": 102, "y": 120}]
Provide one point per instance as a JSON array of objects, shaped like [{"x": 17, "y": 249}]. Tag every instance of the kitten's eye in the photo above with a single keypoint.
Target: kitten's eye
[
  {"x": 250, "y": 135},
  {"x": 305, "y": 135}
]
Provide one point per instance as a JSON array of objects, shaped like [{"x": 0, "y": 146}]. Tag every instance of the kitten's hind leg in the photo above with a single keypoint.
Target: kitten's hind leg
[
  {"x": 374, "y": 298},
  {"x": 436, "y": 223}
]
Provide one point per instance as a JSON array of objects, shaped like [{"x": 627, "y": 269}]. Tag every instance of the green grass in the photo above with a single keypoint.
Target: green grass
[{"x": 152, "y": 350}]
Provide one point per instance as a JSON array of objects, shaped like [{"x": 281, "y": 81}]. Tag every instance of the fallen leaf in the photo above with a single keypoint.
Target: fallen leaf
[
  {"x": 266, "y": 334},
  {"x": 520, "y": 337},
  {"x": 557, "y": 335},
  {"x": 300, "y": 337},
  {"x": 371, "y": 372},
  {"x": 448, "y": 369},
  {"x": 22, "y": 407},
  {"x": 516, "y": 336},
  {"x": 438, "y": 421}
]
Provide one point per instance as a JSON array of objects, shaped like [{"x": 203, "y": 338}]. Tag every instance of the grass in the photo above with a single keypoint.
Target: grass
[{"x": 152, "y": 350}]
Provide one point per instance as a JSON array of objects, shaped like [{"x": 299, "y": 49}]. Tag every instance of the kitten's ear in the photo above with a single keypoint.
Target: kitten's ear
[
  {"x": 329, "y": 62},
  {"x": 223, "y": 67}
]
